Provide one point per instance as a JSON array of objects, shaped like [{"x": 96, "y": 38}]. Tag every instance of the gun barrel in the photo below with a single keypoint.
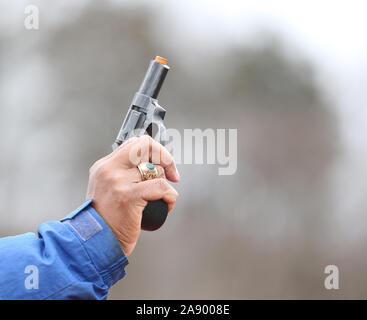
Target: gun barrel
[{"x": 154, "y": 77}]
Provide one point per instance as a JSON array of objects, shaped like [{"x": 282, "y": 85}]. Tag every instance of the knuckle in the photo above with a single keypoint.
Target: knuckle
[
  {"x": 115, "y": 178},
  {"x": 173, "y": 191},
  {"x": 102, "y": 171}
]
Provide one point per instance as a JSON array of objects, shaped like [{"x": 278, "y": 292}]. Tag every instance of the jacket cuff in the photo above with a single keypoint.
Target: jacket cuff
[{"x": 98, "y": 240}]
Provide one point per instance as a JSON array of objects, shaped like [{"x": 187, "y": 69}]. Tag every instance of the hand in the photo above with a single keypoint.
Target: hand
[{"x": 120, "y": 196}]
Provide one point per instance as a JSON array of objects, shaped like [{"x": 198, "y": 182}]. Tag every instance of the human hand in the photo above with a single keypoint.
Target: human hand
[{"x": 120, "y": 196}]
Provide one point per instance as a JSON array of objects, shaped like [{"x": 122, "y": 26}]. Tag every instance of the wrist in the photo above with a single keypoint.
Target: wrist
[{"x": 100, "y": 243}]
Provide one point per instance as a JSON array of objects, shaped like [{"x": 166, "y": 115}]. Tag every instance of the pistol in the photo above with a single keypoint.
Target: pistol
[{"x": 145, "y": 116}]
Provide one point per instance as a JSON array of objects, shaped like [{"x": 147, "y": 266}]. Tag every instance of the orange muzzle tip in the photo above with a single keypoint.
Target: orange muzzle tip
[{"x": 161, "y": 60}]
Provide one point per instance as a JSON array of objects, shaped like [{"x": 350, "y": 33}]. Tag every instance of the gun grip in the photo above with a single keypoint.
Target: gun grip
[{"x": 154, "y": 215}]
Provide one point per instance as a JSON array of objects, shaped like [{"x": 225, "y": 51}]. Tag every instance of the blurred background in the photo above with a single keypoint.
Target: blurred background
[{"x": 289, "y": 75}]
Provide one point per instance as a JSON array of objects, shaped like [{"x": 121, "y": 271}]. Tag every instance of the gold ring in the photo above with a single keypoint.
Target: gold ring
[{"x": 148, "y": 171}]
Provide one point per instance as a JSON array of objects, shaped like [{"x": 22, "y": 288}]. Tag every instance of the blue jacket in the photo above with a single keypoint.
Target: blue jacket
[{"x": 76, "y": 258}]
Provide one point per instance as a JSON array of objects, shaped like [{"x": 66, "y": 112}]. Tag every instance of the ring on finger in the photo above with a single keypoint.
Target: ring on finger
[{"x": 148, "y": 171}]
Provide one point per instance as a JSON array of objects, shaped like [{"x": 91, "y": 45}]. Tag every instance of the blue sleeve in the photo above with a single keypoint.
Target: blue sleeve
[{"x": 76, "y": 258}]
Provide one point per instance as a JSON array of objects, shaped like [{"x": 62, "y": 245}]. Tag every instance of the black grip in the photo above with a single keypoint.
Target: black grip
[{"x": 154, "y": 215}]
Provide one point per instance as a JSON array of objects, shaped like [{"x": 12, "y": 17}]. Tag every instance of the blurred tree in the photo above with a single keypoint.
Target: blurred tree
[{"x": 291, "y": 135}]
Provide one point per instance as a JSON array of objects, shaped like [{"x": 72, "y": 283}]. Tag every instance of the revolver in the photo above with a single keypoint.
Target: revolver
[{"x": 145, "y": 116}]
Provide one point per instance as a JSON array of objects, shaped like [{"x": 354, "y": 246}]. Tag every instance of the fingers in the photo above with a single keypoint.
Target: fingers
[
  {"x": 156, "y": 189},
  {"x": 144, "y": 149}
]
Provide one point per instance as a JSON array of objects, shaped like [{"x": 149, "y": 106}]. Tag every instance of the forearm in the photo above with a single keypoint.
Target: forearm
[{"x": 75, "y": 258}]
